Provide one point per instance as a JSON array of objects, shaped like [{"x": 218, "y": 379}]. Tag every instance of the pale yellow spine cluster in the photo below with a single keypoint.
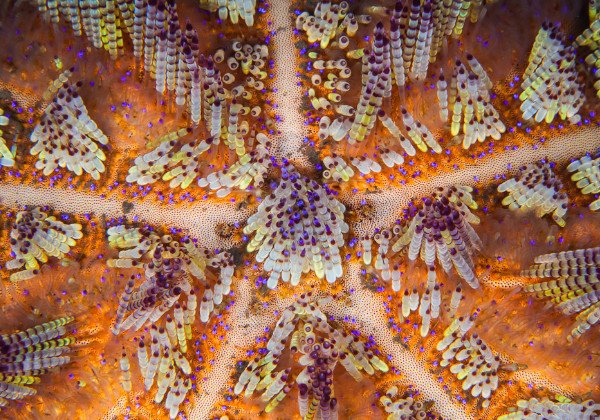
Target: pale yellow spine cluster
[
  {"x": 312, "y": 339},
  {"x": 335, "y": 85},
  {"x": 338, "y": 128},
  {"x": 168, "y": 367},
  {"x": 418, "y": 133},
  {"x": 26, "y": 355},
  {"x": 447, "y": 213},
  {"x": 249, "y": 61},
  {"x": 310, "y": 235},
  {"x": 170, "y": 54},
  {"x": 388, "y": 271},
  {"x": 376, "y": 85},
  {"x": 536, "y": 187},
  {"x": 66, "y": 136},
  {"x": 561, "y": 408},
  {"x": 550, "y": 82},
  {"x": 365, "y": 165},
  {"x": 574, "y": 289},
  {"x": 591, "y": 38},
  {"x": 222, "y": 109},
  {"x": 419, "y": 30},
  {"x": 180, "y": 165},
  {"x": 402, "y": 408},
  {"x": 337, "y": 169},
  {"x": 250, "y": 169},
  {"x": 35, "y": 236},
  {"x": 393, "y": 129},
  {"x": 586, "y": 171},
  {"x": 390, "y": 158},
  {"x": 232, "y": 9},
  {"x": 182, "y": 262},
  {"x": 470, "y": 359},
  {"x": 7, "y": 156},
  {"x": 428, "y": 306},
  {"x": 466, "y": 103},
  {"x": 328, "y": 22},
  {"x": 103, "y": 22}
]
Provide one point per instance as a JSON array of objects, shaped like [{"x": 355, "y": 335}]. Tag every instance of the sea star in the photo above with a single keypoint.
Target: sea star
[{"x": 369, "y": 209}]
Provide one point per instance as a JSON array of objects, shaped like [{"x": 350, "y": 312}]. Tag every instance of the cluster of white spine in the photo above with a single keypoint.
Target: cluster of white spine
[
  {"x": 170, "y": 272},
  {"x": 589, "y": 38},
  {"x": 34, "y": 237},
  {"x": 7, "y": 156},
  {"x": 468, "y": 97},
  {"x": 390, "y": 158},
  {"x": 180, "y": 167},
  {"x": 328, "y": 22},
  {"x": 336, "y": 129},
  {"x": 170, "y": 54},
  {"x": 207, "y": 97},
  {"x": 299, "y": 227},
  {"x": 411, "y": 30},
  {"x": 103, "y": 22},
  {"x": 248, "y": 58},
  {"x": 221, "y": 116},
  {"x": 416, "y": 132},
  {"x": 249, "y": 61},
  {"x": 337, "y": 169},
  {"x": 550, "y": 85},
  {"x": 419, "y": 30},
  {"x": 402, "y": 407},
  {"x": 587, "y": 174},
  {"x": 234, "y": 9},
  {"x": 365, "y": 165},
  {"x": 428, "y": 306},
  {"x": 334, "y": 85},
  {"x": 26, "y": 355},
  {"x": 233, "y": 135},
  {"x": 472, "y": 361},
  {"x": 321, "y": 348},
  {"x": 250, "y": 169},
  {"x": 383, "y": 239},
  {"x": 574, "y": 289},
  {"x": 443, "y": 227},
  {"x": 376, "y": 84},
  {"x": 166, "y": 364},
  {"x": 562, "y": 408},
  {"x": 66, "y": 136},
  {"x": 536, "y": 187}
]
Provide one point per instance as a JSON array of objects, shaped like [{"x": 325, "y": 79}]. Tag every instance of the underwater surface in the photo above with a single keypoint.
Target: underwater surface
[{"x": 286, "y": 209}]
